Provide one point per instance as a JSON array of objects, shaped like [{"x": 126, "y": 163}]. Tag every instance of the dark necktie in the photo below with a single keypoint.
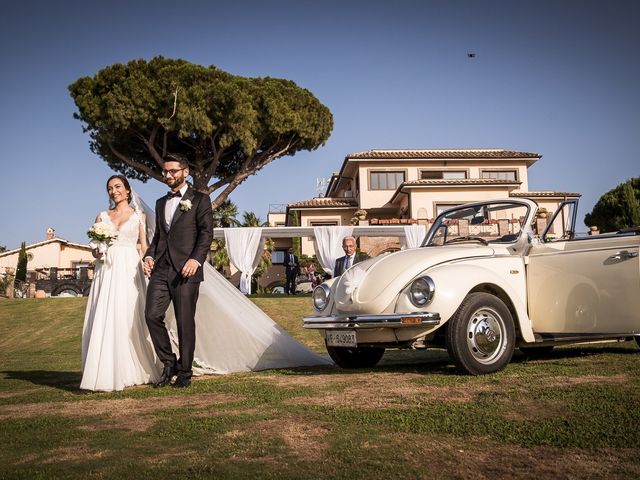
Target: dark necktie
[
  {"x": 347, "y": 263},
  {"x": 174, "y": 194}
]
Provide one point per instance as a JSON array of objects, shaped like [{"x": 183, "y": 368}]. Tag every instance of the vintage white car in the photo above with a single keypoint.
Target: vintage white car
[{"x": 483, "y": 284}]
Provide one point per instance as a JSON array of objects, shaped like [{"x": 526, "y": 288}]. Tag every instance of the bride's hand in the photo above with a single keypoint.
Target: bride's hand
[{"x": 147, "y": 266}]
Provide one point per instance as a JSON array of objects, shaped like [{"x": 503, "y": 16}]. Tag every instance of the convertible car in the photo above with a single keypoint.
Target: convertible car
[{"x": 481, "y": 285}]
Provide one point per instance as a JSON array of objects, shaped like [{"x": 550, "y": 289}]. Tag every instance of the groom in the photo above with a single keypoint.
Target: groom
[{"x": 184, "y": 231}]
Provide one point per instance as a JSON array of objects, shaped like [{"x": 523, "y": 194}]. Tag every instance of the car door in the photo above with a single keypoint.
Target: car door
[{"x": 589, "y": 285}]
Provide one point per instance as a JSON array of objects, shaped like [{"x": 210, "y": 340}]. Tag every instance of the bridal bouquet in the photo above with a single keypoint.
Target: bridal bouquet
[{"x": 101, "y": 235}]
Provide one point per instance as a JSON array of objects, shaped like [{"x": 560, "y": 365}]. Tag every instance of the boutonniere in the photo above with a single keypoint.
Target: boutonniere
[{"x": 185, "y": 205}]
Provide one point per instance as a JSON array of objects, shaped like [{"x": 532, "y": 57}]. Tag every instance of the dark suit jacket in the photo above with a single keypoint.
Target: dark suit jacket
[
  {"x": 189, "y": 236},
  {"x": 338, "y": 269},
  {"x": 290, "y": 267}
]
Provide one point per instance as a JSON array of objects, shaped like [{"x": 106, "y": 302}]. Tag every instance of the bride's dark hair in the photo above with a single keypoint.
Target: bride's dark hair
[{"x": 127, "y": 187}]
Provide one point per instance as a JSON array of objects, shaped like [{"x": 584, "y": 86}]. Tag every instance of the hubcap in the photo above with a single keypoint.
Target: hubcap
[{"x": 485, "y": 335}]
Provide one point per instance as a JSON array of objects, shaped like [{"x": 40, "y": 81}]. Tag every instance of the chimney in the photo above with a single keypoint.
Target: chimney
[{"x": 50, "y": 233}]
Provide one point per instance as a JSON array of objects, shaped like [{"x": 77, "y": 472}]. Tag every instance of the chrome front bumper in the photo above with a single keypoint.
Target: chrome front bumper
[{"x": 373, "y": 321}]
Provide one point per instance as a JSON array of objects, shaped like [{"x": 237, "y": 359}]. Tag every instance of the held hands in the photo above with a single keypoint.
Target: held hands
[
  {"x": 190, "y": 268},
  {"x": 147, "y": 266},
  {"x": 96, "y": 253}
]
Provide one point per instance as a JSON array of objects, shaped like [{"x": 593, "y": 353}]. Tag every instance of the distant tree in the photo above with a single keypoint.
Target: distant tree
[
  {"x": 228, "y": 127},
  {"x": 263, "y": 266},
  {"x": 617, "y": 209},
  {"x": 296, "y": 242},
  {"x": 224, "y": 216},
  {"x": 250, "y": 219},
  {"x": 21, "y": 268},
  {"x": 3, "y": 248},
  {"x": 219, "y": 255}
]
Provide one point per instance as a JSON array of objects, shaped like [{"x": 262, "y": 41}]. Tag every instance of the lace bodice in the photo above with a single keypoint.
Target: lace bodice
[{"x": 128, "y": 232}]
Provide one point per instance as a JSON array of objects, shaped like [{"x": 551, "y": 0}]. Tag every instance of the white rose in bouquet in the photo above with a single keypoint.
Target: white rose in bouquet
[{"x": 101, "y": 235}]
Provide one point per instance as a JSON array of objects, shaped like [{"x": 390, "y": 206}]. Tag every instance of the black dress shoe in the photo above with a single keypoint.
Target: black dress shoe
[
  {"x": 182, "y": 381},
  {"x": 165, "y": 379}
]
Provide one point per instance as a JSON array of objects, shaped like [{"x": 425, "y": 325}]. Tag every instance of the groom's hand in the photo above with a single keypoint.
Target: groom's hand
[
  {"x": 190, "y": 268},
  {"x": 147, "y": 266}
]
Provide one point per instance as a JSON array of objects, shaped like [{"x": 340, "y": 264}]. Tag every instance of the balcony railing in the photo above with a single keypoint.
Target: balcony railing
[
  {"x": 277, "y": 208},
  {"x": 54, "y": 273}
]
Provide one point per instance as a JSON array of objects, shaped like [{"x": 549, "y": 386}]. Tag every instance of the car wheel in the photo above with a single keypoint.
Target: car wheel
[
  {"x": 348, "y": 357},
  {"x": 537, "y": 351},
  {"x": 481, "y": 335}
]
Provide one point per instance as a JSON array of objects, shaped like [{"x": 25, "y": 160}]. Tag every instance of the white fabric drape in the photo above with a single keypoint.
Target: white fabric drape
[
  {"x": 413, "y": 236},
  {"x": 234, "y": 335},
  {"x": 328, "y": 245},
  {"x": 244, "y": 246}
]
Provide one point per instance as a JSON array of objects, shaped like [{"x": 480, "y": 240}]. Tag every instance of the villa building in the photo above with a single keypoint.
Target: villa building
[{"x": 382, "y": 187}]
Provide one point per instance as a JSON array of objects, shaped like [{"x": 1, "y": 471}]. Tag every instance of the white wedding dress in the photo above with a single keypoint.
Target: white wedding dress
[
  {"x": 232, "y": 333},
  {"x": 116, "y": 346}
]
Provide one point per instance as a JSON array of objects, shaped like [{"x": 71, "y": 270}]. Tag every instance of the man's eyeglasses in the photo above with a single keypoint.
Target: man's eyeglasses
[{"x": 172, "y": 172}]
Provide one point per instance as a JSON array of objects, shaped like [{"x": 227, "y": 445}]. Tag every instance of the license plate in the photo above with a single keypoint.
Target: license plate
[{"x": 341, "y": 338}]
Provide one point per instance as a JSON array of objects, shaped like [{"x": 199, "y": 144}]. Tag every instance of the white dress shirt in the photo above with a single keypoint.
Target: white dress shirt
[{"x": 172, "y": 204}]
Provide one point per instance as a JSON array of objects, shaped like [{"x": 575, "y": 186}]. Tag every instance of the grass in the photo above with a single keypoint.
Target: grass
[{"x": 573, "y": 414}]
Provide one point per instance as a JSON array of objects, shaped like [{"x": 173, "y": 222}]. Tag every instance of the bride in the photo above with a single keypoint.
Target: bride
[{"x": 232, "y": 334}]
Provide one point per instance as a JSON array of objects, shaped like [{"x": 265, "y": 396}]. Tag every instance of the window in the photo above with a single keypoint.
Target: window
[
  {"x": 277, "y": 257},
  {"x": 321, "y": 223},
  {"x": 442, "y": 174},
  {"x": 508, "y": 175},
  {"x": 385, "y": 180}
]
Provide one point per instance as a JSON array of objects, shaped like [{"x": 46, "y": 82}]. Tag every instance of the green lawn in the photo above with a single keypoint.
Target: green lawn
[{"x": 573, "y": 414}]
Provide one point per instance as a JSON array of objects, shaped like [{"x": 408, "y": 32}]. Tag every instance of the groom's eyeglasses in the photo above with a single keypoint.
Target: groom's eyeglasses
[{"x": 171, "y": 172}]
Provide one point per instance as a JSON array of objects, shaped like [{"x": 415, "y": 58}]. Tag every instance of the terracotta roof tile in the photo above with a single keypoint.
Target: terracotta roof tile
[
  {"x": 461, "y": 181},
  {"x": 325, "y": 202},
  {"x": 489, "y": 153},
  {"x": 544, "y": 194}
]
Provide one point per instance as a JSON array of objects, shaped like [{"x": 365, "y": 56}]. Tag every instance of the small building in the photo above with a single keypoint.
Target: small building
[{"x": 54, "y": 266}]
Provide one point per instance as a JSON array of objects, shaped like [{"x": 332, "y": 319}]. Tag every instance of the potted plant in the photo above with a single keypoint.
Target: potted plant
[{"x": 360, "y": 214}]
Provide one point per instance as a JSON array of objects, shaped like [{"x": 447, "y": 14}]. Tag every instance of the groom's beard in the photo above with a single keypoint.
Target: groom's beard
[{"x": 173, "y": 182}]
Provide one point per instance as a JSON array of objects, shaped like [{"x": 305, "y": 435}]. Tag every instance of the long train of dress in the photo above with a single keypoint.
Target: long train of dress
[{"x": 234, "y": 335}]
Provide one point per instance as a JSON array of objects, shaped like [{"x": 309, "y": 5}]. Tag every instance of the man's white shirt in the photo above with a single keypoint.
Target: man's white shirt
[
  {"x": 172, "y": 204},
  {"x": 170, "y": 210}
]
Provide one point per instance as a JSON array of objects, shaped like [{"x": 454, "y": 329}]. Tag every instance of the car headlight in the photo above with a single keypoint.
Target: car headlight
[
  {"x": 321, "y": 297},
  {"x": 421, "y": 291}
]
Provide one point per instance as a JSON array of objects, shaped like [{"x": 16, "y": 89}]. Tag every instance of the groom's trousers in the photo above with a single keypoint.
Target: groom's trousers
[{"x": 166, "y": 286}]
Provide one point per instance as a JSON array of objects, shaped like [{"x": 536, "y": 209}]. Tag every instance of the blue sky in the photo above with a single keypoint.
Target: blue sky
[{"x": 559, "y": 78}]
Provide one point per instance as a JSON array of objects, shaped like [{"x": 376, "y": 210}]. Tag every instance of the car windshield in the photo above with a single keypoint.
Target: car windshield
[{"x": 498, "y": 222}]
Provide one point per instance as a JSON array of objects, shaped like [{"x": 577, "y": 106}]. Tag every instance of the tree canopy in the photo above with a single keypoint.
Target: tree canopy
[
  {"x": 617, "y": 209},
  {"x": 227, "y": 126}
]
